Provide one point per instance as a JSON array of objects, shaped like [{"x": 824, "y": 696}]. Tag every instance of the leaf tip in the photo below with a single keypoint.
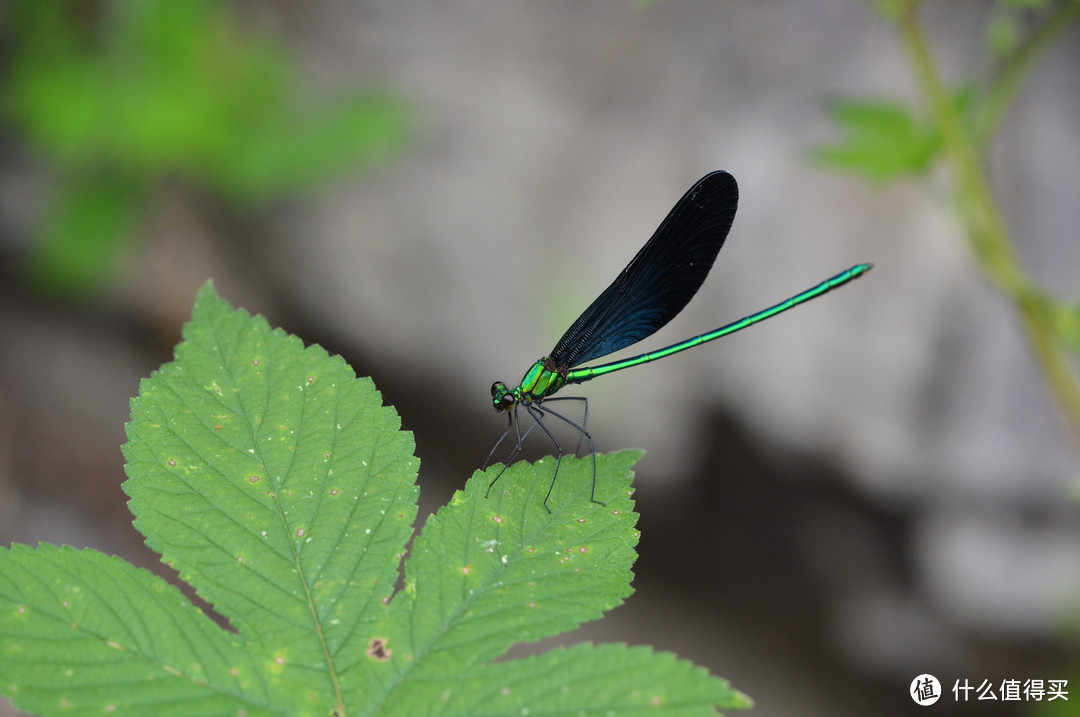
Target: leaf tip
[{"x": 207, "y": 292}]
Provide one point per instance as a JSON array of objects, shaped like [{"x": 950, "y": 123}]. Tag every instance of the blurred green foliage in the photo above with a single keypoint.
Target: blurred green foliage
[
  {"x": 1006, "y": 28},
  {"x": 116, "y": 95},
  {"x": 883, "y": 140},
  {"x": 886, "y": 140}
]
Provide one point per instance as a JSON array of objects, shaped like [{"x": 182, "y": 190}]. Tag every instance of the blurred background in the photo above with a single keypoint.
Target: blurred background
[{"x": 876, "y": 485}]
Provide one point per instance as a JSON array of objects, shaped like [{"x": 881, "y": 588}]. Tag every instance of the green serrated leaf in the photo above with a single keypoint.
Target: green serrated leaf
[
  {"x": 593, "y": 680},
  {"x": 487, "y": 573},
  {"x": 283, "y": 491},
  {"x": 275, "y": 481},
  {"x": 82, "y": 633}
]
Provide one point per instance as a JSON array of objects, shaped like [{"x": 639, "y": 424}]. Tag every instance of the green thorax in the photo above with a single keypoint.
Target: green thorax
[{"x": 539, "y": 382}]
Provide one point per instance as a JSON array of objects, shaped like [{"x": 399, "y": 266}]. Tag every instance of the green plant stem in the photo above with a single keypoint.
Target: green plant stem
[
  {"x": 989, "y": 236},
  {"x": 1015, "y": 68}
]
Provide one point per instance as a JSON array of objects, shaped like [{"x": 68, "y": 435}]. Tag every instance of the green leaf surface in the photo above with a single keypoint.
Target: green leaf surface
[
  {"x": 274, "y": 481},
  {"x": 282, "y": 490},
  {"x": 487, "y": 573},
  {"x": 82, "y": 633},
  {"x": 593, "y": 680}
]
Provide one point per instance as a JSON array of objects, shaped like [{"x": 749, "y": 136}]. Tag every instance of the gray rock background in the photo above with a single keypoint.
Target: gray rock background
[{"x": 868, "y": 488}]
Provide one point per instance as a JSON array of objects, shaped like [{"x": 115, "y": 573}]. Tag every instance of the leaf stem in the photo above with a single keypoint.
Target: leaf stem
[{"x": 989, "y": 236}]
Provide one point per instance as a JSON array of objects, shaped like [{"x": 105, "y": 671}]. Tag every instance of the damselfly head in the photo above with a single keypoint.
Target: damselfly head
[{"x": 502, "y": 398}]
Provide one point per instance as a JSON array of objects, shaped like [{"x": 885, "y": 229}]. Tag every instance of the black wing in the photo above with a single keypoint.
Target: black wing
[{"x": 657, "y": 283}]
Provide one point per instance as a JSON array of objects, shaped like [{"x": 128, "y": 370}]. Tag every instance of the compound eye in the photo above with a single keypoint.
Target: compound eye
[
  {"x": 498, "y": 388},
  {"x": 508, "y": 401}
]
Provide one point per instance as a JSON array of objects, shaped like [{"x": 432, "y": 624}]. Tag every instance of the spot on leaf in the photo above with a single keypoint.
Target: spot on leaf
[{"x": 377, "y": 649}]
